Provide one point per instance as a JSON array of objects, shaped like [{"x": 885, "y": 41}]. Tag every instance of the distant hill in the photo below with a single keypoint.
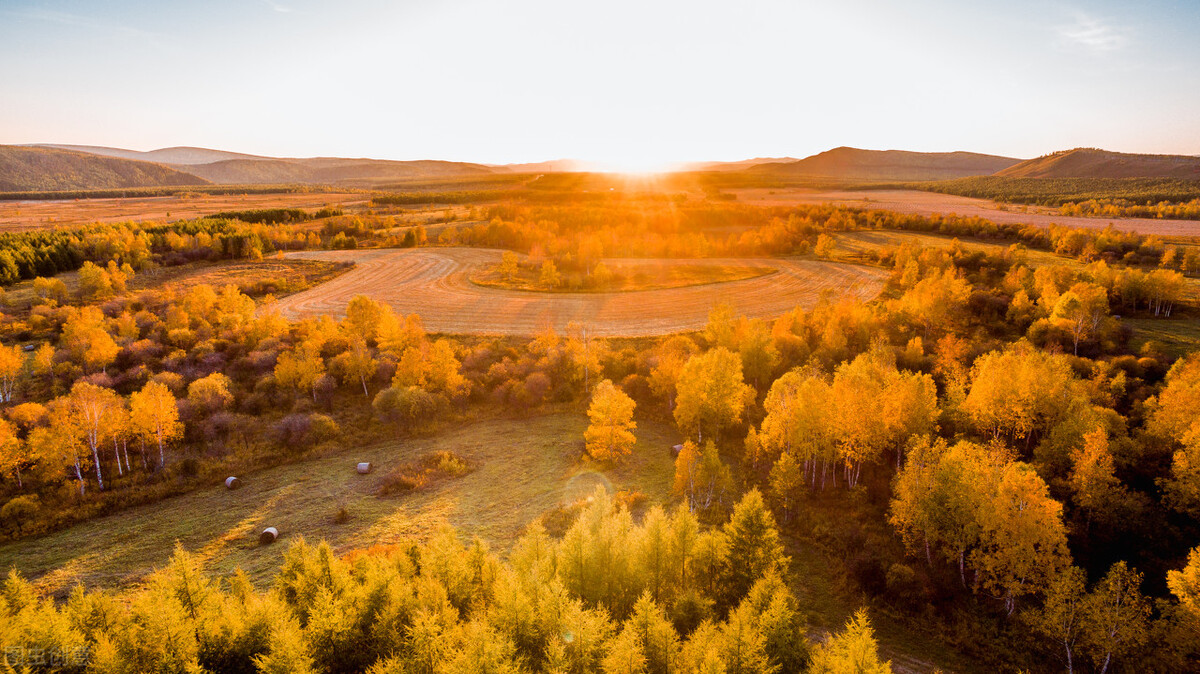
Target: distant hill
[
  {"x": 552, "y": 166},
  {"x": 739, "y": 165},
  {"x": 45, "y": 169},
  {"x": 235, "y": 168},
  {"x": 166, "y": 155},
  {"x": 328, "y": 171},
  {"x": 1093, "y": 163},
  {"x": 855, "y": 164}
]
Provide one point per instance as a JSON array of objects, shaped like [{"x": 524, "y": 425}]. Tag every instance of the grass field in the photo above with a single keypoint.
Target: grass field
[
  {"x": 524, "y": 468},
  {"x": 186, "y": 204},
  {"x": 1179, "y": 335},
  {"x": 632, "y": 275},
  {"x": 435, "y": 283}
]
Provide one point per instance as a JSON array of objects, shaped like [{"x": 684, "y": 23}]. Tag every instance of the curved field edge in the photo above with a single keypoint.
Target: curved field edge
[{"x": 434, "y": 284}]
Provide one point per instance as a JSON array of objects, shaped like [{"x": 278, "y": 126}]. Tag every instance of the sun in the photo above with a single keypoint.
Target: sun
[{"x": 634, "y": 165}]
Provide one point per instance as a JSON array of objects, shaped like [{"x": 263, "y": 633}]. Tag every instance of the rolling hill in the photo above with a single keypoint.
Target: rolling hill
[
  {"x": 328, "y": 171},
  {"x": 855, "y": 164},
  {"x": 166, "y": 155},
  {"x": 1093, "y": 163},
  {"x": 235, "y": 168},
  {"x": 49, "y": 169}
]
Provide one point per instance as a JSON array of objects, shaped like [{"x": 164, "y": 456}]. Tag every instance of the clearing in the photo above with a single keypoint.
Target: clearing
[
  {"x": 185, "y": 205},
  {"x": 435, "y": 284},
  {"x": 525, "y": 467}
]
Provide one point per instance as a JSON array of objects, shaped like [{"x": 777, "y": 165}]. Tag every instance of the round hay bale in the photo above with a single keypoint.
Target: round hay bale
[
  {"x": 233, "y": 483},
  {"x": 268, "y": 536},
  {"x": 364, "y": 467}
]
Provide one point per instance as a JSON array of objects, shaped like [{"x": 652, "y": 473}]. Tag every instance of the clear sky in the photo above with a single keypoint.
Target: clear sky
[{"x": 631, "y": 82}]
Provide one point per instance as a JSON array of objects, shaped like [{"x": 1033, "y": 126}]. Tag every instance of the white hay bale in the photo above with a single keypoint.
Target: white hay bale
[
  {"x": 364, "y": 467},
  {"x": 232, "y": 482},
  {"x": 268, "y": 536}
]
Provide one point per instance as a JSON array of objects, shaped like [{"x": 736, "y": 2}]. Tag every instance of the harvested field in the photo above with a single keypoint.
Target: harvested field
[
  {"x": 435, "y": 284},
  {"x": 24, "y": 215},
  {"x": 932, "y": 203}
]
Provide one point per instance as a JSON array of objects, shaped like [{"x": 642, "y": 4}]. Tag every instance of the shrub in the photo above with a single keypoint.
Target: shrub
[
  {"x": 430, "y": 469},
  {"x": 19, "y": 510}
]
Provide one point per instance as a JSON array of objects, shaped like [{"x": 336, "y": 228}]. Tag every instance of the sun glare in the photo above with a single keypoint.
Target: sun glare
[{"x": 635, "y": 165}]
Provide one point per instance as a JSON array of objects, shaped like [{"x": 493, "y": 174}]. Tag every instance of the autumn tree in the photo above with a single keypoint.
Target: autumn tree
[
  {"x": 854, "y": 650},
  {"x": 786, "y": 479},
  {"x": 154, "y": 416},
  {"x": 711, "y": 393},
  {"x": 1185, "y": 585},
  {"x": 356, "y": 364},
  {"x": 1093, "y": 479},
  {"x": 1116, "y": 616},
  {"x": 12, "y": 365},
  {"x": 301, "y": 369},
  {"x": 609, "y": 435},
  {"x": 700, "y": 475},
  {"x": 800, "y": 421},
  {"x": 668, "y": 360},
  {"x": 14, "y": 453},
  {"x": 753, "y": 543},
  {"x": 1081, "y": 310},
  {"x": 1023, "y": 542},
  {"x": 1019, "y": 393},
  {"x": 1061, "y": 615},
  {"x": 211, "y": 393},
  {"x": 93, "y": 407}
]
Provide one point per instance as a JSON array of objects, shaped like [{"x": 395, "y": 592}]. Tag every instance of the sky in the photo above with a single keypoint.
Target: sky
[{"x": 631, "y": 83}]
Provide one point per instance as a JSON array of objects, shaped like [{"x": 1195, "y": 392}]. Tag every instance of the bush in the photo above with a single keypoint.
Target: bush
[
  {"x": 18, "y": 511},
  {"x": 406, "y": 407},
  {"x": 430, "y": 469}
]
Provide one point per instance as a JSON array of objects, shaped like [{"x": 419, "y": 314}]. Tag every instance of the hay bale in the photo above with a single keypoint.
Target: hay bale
[
  {"x": 232, "y": 482},
  {"x": 268, "y": 536},
  {"x": 364, "y": 467}
]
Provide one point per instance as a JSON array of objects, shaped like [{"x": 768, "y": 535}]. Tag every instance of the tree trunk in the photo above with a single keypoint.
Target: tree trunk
[
  {"x": 117, "y": 455},
  {"x": 162, "y": 458},
  {"x": 99, "y": 475},
  {"x": 79, "y": 476}
]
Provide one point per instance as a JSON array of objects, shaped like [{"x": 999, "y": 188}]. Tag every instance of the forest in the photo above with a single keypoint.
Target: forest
[
  {"x": 984, "y": 451},
  {"x": 1128, "y": 197}
]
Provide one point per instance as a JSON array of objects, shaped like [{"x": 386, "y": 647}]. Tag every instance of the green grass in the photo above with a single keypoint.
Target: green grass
[
  {"x": 525, "y": 468},
  {"x": 1179, "y": 335}
]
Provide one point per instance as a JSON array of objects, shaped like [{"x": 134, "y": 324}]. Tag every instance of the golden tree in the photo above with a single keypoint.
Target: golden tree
[
  {"x": 609, "y": 435},
  {"x": 154, "y": 416},
  {"x": 712, "y": 395}
]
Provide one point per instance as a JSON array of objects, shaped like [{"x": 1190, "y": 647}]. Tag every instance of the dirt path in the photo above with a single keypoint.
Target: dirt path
[
  {"x": 434, "y": 284},
  {"x": 932, "y": 203}
]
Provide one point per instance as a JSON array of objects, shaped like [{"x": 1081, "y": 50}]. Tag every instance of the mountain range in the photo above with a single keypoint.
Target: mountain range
[{"x": 51, "y": 167}]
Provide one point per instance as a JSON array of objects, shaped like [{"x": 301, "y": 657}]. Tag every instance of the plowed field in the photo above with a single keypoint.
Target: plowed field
[{"x": 435, "y": 284}]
